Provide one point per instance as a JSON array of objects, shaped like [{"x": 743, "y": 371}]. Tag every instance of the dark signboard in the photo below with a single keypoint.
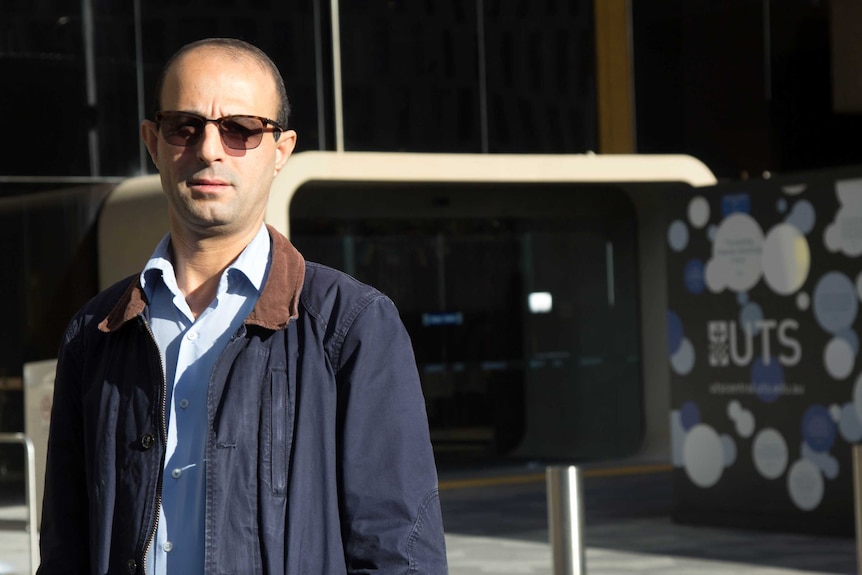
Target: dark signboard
[{"x": 763, "y": 323}]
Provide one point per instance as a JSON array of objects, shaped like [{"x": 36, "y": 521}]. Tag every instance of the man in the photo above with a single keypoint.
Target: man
[{"x": 234, "y": 409}]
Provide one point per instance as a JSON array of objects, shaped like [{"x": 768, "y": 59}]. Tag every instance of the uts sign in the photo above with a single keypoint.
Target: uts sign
[
  {"x": 727, "y": 345},
  {"x": 764, "y": 286}
]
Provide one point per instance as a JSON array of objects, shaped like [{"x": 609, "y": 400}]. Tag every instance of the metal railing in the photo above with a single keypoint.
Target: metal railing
[{"x": 32, "y": 523}]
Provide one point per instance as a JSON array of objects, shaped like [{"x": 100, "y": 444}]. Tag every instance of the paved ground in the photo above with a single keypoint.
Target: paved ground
[
  {"x": 496, "y": 524},
  {"x": 502, "y": 529},
  {"x": 14, "y": 540}
]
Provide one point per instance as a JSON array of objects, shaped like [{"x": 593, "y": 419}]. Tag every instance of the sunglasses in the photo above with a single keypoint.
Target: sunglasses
[{"x": 239, "y": 132}]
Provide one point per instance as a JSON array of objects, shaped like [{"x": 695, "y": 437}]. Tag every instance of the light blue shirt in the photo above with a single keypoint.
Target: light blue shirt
[{"x": 189, "y": 349}]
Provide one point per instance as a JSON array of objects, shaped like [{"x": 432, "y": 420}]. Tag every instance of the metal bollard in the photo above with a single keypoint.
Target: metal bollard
[
  {"x": 32, "y": 524},
  {"x": 857, "y": 502},
  {"x": 566, "y": 519}
]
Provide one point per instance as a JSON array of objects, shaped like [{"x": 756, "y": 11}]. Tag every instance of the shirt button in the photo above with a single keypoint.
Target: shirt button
[
  {"x": 168, "y": 546},
  {"x": 184, "y": 403},
  {"x": 176, "y": 473},
  {"x": 147, "y": 441},
  {"x": 192, "y": 335}
]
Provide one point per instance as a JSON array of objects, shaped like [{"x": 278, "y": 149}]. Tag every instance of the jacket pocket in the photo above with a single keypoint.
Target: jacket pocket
[{"x": 281, "y": 430}]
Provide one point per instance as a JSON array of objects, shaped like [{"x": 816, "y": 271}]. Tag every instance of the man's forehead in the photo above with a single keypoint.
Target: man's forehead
[
  {"x": 212, "y": 62},
  {"x": 208, "y": 55}
]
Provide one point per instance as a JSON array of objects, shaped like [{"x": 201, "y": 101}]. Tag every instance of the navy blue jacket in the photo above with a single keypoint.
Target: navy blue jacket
[{"x": 318, "y": 454}]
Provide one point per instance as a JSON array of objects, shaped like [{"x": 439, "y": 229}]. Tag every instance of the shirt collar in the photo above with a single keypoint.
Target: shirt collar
[
  {"x": 252, "y": 262},
  {"x": 159, "y": 266}
]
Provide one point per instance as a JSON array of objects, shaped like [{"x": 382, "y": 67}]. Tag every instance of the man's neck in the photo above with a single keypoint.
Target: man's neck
[{"x": 200, "y": 261}]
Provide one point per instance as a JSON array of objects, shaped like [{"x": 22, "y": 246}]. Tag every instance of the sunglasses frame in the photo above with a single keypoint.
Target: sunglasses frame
[{"x": 275, "y": 129}]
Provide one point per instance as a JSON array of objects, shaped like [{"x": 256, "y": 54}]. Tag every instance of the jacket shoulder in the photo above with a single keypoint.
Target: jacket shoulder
[
  {"x": 97, "y": 308},
  {"x": 334, "y": 300},
  {"x": 331, "y": 295}
]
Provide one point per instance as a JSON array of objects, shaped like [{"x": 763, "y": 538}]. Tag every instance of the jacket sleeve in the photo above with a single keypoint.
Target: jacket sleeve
[
  {"x": 65, "y": 530},
  {"x": 391, "y": 519}
]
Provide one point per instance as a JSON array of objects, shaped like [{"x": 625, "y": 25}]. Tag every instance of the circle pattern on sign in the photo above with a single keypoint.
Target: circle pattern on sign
[
  {"x": 850, "y": 337},
  {"x": 835, "y": 302},
  {"x": 769, "y": 452},
  {"x": 743, "y": 418},
  {"x": 674, "y": 332},
  {"x": 736, "y": 254},
  {"x": 690, "y": 414},
  {"x": 729, "y": 447},
  {"x": 703, "y": 454},
  {"x": 677, "y": 235},
  {"x": 786, "y": 259},
  {"x": 839, "y": 358},
  {"x": 818, "y": 428},
  {"x": 805, "y": 485},
  {"x": 849, "y": 425},
  {"x": 683, "y": 360},
  {"x": 693, "y": 276},
  {"x": 768, "y": 379},
  {"x": 802, "y": 217},
  {"x": 698, "y": 211}
]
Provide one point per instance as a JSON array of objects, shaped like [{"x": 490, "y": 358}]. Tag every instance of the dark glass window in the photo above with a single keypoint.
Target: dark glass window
[
  {"x": 410, "y": 78},
  {"x": 521, "y": 301},
  {"x": 540, "y": 72},
  {"x": 483, "y": 76},
  {"x": 44, "y": 97}
]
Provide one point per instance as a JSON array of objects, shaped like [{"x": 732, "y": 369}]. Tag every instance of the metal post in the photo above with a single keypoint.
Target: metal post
[
  {"x": 319, "y": 82},
  {"x": 566, "y": 519},
  {"x": 32, "y": 523},
  {"x": 336, "y": 75},
  {"x": 857, "y": 502},
  {"x": 483, "y": 75},
  {"x": 92, "y": 86},
  {"x": 139, "y": 80}
]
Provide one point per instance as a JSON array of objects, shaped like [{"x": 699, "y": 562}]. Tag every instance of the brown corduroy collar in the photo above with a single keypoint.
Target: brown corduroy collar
[{"x": 277, "y": 304}]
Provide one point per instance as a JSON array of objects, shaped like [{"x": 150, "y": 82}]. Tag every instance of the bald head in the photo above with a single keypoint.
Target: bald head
[{"x": 234, "y": 49}]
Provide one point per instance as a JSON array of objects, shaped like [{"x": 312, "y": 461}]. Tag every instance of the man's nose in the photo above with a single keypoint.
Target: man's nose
[{"x": 210, "y": 147}]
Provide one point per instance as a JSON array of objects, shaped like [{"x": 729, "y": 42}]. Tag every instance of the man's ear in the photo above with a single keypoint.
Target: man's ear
[
  {"x": 150, "y": 135},
  {"x": 283, "y": 148}
]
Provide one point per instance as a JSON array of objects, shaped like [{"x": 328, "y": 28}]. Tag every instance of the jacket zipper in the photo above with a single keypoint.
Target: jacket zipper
[{"x": 164, "y": 431}]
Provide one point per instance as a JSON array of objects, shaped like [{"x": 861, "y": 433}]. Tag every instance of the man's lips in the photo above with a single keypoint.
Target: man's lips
[{"x": 207, "y": 184}]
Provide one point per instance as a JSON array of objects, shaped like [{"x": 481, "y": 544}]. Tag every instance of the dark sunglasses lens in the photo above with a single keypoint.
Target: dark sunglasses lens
[
  {"x": 181, "y": 129},
  {"x": 241, "y": 132}
]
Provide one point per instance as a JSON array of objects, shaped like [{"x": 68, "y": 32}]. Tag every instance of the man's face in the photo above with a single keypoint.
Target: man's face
[{"x": 211, "y": 188}]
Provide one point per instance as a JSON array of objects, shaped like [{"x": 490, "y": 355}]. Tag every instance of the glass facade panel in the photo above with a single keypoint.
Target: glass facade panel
[
  {"x": 483, "y": 76},
  {"x": 424, "y": 76},
  {"x": 540, "y": 73},
  {"x": 44, "y": 95},
  {"x": 410, "y": 76}
]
